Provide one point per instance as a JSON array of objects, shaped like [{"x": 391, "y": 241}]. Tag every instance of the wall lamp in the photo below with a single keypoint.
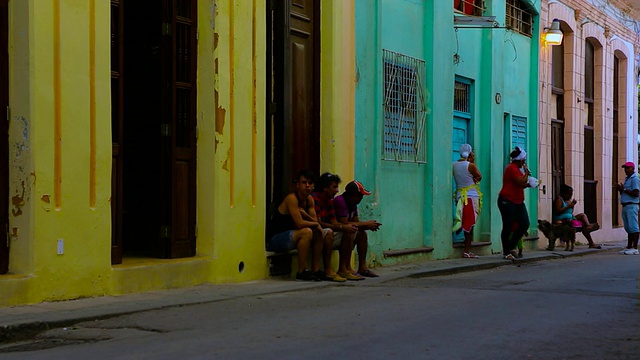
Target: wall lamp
[{"x": 553, "y": 35}]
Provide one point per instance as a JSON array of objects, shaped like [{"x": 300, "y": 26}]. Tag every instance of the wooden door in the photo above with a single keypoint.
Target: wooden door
[
  {"x": 117, "y": 21},
  {"x": 293, "y": 90},
  {"x": 557, "y": 156},
  {"x": 179, "y": 128},
  {"x": 4, "y": 137}
]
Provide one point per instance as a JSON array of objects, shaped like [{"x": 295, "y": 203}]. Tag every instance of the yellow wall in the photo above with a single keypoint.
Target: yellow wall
[
  {"x": 60, "y": 147},
  {"x": 337, "y": 87}
]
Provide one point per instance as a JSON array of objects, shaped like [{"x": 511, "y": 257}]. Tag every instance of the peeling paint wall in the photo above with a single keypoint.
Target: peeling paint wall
[{"x": 51, "y": 186}]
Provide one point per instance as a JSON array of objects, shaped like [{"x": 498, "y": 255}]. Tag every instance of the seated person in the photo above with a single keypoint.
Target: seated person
[
  {"x": 563, "y": 211},
  {"x": 346, "y": 208},
  {"x": 294, "y": 226}
]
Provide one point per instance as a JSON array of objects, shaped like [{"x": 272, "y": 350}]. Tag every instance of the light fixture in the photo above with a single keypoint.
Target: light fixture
[{"x": 553, "y": 35}]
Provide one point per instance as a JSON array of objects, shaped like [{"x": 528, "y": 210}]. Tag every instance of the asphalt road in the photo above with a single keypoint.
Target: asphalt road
[{"x": 574, "y": 308}]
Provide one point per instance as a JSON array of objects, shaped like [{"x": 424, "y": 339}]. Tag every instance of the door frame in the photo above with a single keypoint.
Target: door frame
[{"x": 279, "y": 103}]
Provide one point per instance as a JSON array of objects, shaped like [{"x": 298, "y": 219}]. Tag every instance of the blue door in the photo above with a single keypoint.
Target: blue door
[{"x": 460, "y": 136}]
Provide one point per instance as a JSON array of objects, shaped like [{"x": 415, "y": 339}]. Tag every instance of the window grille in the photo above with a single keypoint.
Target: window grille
[
  {"x": 404, "y": 108},
  {"x": 519, "y": 18},
  {"x": 469, "y": 7},
  {"x": 462, "y": 97}
]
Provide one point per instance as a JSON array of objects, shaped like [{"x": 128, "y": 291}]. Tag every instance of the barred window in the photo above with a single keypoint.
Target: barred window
[
  {"x": 519, "y": 18},
  {"x": 469, "y": 7},
  {"x": 404, "y": 108}
]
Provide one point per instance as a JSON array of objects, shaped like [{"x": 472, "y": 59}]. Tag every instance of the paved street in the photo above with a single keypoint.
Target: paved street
[{"x": 580, "y": 307}]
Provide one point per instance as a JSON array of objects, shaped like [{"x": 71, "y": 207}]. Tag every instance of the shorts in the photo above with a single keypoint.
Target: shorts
[
  {"x": 630, "y": 218},
  {"x": 282, "y": 242}
]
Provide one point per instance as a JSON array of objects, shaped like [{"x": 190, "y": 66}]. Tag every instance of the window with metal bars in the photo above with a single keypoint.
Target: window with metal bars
[
  {"x": 462, "y": 97},
  {"x": 519, "y": 18},
  {"x": 404, "y": 108},
  {"x": 469, "y": 7}
]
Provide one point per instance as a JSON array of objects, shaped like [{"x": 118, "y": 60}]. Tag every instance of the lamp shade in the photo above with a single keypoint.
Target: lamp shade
[{"x": 553, "y": 35}]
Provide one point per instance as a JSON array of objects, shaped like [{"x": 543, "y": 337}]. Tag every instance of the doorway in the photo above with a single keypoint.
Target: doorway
[
  {"x": 293, "y": 91},
  {"x": 462, "y": 111},
  {"x": 154, "y": 129}
]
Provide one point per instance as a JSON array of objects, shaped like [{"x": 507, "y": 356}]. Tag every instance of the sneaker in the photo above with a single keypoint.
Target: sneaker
[
  {"x": 623, "y": 251},
  {"x": 306, "y": 275},
  {"x": 631, "y": 252}
]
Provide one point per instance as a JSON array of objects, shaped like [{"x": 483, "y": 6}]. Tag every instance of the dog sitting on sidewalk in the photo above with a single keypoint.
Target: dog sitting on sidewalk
[{"x": 558, "y": 231}]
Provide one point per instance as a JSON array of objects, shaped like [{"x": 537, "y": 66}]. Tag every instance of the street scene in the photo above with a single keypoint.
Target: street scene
[
  {"x": 575, "y": 307},
  {"x": 287, "y": 179}
]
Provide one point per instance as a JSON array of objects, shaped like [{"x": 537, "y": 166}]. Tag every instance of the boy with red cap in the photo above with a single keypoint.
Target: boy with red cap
[{"x": 346, "y": 208}]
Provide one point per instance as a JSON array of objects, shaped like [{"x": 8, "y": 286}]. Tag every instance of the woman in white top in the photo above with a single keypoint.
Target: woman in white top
[{"x": 468, "y": 196}]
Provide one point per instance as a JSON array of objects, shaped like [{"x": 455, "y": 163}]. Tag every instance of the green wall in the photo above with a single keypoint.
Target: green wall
[{"x": 413, "y": 201}]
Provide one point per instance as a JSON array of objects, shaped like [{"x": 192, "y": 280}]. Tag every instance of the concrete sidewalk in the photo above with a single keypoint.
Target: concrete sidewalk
[{"x": 21, "y": 322}]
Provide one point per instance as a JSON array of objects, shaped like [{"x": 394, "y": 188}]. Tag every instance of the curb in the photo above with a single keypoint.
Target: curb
[{"x": 31, "y": 328}]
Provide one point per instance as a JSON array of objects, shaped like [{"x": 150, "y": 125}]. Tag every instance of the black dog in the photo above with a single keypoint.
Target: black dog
[{"x": 555, "y": 231}]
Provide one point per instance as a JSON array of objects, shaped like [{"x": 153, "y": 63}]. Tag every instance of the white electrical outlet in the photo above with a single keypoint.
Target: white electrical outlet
[{"x": 60, "y": 246}]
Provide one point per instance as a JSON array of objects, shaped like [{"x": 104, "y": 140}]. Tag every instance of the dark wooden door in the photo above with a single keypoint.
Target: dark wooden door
[
  {"x": 117, "y": 21},
  {"x": 557, "y": 156},
  {"x": 4, "y": 137},
  {"x": 179, "y": 128},
  {"x": 293, "y": 90}
]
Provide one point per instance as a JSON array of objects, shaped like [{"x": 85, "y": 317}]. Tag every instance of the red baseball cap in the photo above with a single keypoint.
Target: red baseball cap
[
  {"x": 356, "y": 187},
  {"x": 629, "y": 164}
]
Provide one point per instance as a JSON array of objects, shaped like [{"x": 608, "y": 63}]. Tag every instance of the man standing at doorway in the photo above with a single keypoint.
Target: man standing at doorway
[
  {"x": 346, "y": 207},
  {"x": 629, "y": 198}
]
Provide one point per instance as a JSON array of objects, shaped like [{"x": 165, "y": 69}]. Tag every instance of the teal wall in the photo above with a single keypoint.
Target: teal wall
[{"x": 413, "y": 201}]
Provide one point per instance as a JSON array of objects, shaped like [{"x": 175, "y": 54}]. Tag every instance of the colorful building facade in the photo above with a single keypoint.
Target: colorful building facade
[
  {"x": 147, "y": 142},
  {"x": 589, "y": 106},
  {"x": 432, "y": 75}
]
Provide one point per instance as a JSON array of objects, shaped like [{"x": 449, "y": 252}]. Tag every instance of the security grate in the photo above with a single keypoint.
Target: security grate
[
  {"x": 404, "y": 108},
  {"x": 462, "y": 97},
  {"x": 519, "y": 18}
]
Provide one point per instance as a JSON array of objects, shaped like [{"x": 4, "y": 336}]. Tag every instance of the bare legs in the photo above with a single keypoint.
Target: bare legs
[{"x": 302, "y": 238}]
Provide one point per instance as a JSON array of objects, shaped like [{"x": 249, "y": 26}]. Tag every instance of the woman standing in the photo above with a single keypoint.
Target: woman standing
[
  {"x": 511, "y": 202},
  {"x": 468, "y": 196}
]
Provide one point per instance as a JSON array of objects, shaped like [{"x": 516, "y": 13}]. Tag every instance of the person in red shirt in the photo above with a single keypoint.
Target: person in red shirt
[{"x": 511, "y": 202}]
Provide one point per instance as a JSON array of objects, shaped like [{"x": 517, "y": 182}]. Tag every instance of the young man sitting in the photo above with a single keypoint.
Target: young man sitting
[
  {"x": 346, "y": 207},
  {"x": 294, "y": 226}
]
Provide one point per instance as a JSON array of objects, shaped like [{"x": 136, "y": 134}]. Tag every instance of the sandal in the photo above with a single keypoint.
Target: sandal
[
  {"x": 368, "y": 273},
  {"x": 509, "y": 257},
  {"x": 470, "y": 255},
  {"x": 595, "y": 246}
]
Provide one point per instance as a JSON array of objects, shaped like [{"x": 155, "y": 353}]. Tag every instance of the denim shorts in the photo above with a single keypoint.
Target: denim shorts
[
  {"x": 281, "y": 242},
  {"x": 630, "y": 218}
]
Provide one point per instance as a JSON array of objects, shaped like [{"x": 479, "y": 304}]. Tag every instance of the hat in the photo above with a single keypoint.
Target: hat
[
  {"x": 628, "y": 164},
  {"x": 465, "y": 150},
  {"x": 356, "y": 187},
  {"x": 518, "y": 154}
]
